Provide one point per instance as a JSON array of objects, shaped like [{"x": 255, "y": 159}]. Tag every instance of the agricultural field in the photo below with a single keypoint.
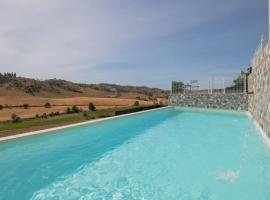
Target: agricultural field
[{"x": 35, "y": 105}]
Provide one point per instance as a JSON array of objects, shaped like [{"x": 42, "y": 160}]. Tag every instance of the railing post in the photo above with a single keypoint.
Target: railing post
[
  {"x": 211, "y": 88},
  {"x": 209, "y": 85},
  {"x": 171, "y": 87},
  {"x": 224, "y": 88},
  {"x": 245, "y": 83}
]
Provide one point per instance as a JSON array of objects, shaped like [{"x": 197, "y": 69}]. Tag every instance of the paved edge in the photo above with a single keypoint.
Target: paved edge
[
  {"x": 210, "y": 110},
  {"x": 32, "y": 133}
]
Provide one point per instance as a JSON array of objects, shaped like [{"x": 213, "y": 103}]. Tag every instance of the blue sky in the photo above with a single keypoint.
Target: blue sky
[{"x": 135, "y": 42}]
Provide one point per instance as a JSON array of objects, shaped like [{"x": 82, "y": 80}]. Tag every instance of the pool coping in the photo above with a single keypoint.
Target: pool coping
[
  {"x": 210, "y": 110},
  {"x": 44, "y": 131},
  {"x": 48, "y": 130}
]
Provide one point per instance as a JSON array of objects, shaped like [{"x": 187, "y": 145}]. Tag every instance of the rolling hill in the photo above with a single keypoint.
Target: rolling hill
[{"x": 11, "y": 85}]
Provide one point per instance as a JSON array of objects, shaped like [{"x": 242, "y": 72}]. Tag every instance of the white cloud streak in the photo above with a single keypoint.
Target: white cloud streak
[{"x": 57, "y": 38}]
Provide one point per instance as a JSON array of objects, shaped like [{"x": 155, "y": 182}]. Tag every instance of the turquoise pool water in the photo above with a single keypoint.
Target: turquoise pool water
[{"x": 169, "y": 154}]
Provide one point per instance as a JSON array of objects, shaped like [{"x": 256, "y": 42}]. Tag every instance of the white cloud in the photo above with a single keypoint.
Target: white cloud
[{"x": 60, "y": 37}]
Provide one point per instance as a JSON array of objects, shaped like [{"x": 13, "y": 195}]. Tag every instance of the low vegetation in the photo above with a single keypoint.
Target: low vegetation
[
  {"x": 15, "y": 118},
  {"x": 136, "y": 103},
  {"x": 47, "y": 105},
  {"x": 18, "y": 125},
  {"x": 73, "y": 109},
  {"x": 7, "y": 77},
  {"x": 91, "y": 106},
  {"x": 25, "y": 106},
  {"x": 12, "y": 85}
]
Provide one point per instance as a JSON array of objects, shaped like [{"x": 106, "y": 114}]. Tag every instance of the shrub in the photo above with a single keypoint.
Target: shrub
[
  {"x": 47, "y": 105},
  {"x": 75, "y": 109},
  {"x": 91, "y": 106},
  {"x": 25, "y": 106},
  {"x": 54, "y": 114},
  {"x": 37, "y": 115},
  {"x": 68, "y": 110},
  {"x": 85, "y": 114},
  {"x": 15, "y": 118},
  {"x": 104, "y": 116},
  {"x": 1, "y": 107},
  {"x": 136, "y": 103},
  {"x": 44, "y": 115}
]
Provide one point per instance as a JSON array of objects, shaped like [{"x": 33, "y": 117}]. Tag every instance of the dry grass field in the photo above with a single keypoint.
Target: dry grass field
[{"x": 36, "y": 104}]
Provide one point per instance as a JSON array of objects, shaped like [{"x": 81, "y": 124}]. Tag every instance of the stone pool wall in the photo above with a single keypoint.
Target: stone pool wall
[
  {"x": 234, "y": 101},
  {"x": 259, "y": 86}
]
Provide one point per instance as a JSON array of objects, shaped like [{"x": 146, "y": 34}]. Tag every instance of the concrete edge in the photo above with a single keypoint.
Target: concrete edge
[
  {"x": 209, "y": 110},
  {"x": 32, "y": 133},
  {"x": 265, "y": 137}
]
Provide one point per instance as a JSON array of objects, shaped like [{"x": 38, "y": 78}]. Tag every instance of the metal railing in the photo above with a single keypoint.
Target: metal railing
[{"x": 213, "y": 85}]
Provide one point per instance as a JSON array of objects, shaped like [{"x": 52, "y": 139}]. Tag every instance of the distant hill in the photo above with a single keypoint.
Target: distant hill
[{"x": 11, "y": 85}]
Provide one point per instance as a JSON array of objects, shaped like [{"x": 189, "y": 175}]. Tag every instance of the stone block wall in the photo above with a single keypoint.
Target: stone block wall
[
  {"x": 257, "y": 101},
  {"x": 259, "y": 85},
  {"x": 234, "y": 101}
]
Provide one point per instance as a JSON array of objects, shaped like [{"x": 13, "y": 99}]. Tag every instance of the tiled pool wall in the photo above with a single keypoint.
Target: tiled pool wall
[
  {"x": 234, "y": 101},
  {"x": 259, "y": 84}
]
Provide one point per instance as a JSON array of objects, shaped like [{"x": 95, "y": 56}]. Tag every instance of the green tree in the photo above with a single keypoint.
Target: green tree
[
  {"x": 86, "y": 115},
  {"x": 177, "y": 87},
  {"x": 68, "y": 110},
  {"x": 75, "y": 109},
  {"x": 15, "y": 118},
  {"x": 91, "y": 106},
  {"x": 25, "y": 106},
  {"x": 240, "y": 79},
  {"x": 44, "y": 115},
  {"x": 136, "y": 103},
  {"x": 47, "y": 105}
]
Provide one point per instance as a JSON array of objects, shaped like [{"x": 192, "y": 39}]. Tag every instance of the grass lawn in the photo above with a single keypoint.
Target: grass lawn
[{"x": 9, "y": 128}]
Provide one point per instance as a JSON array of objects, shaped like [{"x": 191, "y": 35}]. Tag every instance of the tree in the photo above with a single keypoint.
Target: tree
[
  {"x": 177, "y": 87},
  {"x": 86, "y": 115},
  {"x": 240, "y": 79},
  {"x": 25, "y": 106},
  {"x": 68, "y": 110},
  {"x": 136, "y": 103},
  {"x": 7, "y": 77},
  {"x": 47, "y": 105},
  {"x": 44, "y": 115},
  {"x": 75, "y": 109},
  {"x": 15, "y": 118},
  {"x": 91, "y": 106},
  {"x": 1, "y": 107}
]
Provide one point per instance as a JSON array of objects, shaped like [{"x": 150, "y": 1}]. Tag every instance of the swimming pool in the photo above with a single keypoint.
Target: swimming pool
[{"x": 166, "y": 154}]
